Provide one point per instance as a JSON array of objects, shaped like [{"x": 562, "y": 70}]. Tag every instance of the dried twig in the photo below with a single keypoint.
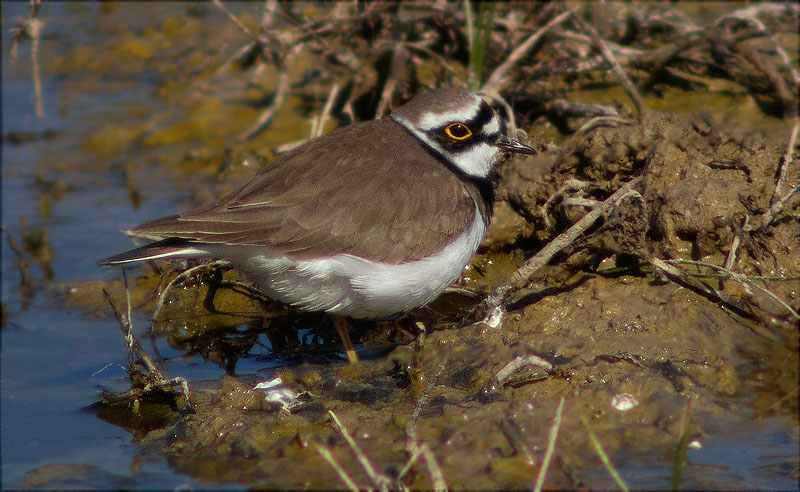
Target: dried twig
[
  {"x": 498, "y": 77},
  {"x": 786, "y": 162},
  {"x": 521, "y": 277},
  {"x": 400, "y": 57},
  {"x": 318, "y": 124},
  {"x": 413, "y": 446},
  {"x": 683, "y": 278},
  {"x": 750, "y": 14},
  {"x": 280, "y": 94},
  {"x": 733, "y": 250},
  {"x": 518, "y": 363},
  {"x": 411, "y": 427},
  {"x": 630, "y": 89},
  {"x": 437, "y": 477},
  {"x": 154, "y": 377},
  {"x": 22, "y": 265},
  {"x": 268, "y": 14},
  {"x": 744, "y": 279},
  {"x": 328, "y": 456},
  {"x": 32, "y": 28},
  {"x": 236, "y": 20}
]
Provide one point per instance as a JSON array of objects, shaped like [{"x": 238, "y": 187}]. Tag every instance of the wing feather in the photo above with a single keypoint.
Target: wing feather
[{"x": 356, "y": 203}]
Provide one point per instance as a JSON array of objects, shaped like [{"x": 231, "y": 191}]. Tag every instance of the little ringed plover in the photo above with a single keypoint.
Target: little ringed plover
[{"x": 372, "y": 219}]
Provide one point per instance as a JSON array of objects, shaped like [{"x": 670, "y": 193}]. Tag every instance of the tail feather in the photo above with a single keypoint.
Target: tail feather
[{"x": 166, "y": 248}]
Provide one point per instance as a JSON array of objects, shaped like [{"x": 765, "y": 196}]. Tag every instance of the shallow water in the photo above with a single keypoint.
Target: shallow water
[{"x": 56, "y": 358}]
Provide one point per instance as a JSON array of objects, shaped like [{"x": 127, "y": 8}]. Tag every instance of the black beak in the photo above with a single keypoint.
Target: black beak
[{"x": 508, "y": 144}]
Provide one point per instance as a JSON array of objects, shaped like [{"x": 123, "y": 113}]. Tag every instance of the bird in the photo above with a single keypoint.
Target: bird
[{"x": 370, "y": 220}]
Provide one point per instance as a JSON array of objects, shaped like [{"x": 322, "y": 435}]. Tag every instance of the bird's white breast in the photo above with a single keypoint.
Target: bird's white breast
[{"x": 357, "y": 287}]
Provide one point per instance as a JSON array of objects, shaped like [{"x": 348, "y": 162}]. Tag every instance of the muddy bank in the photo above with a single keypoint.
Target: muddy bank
[{"x": 647, "y": 361}]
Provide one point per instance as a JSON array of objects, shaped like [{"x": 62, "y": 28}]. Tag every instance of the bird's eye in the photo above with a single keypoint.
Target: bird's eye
[{"x": 457, "y": 131}]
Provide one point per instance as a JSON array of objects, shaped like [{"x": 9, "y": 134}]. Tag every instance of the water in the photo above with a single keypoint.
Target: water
[{"x": 56, "y": 358}]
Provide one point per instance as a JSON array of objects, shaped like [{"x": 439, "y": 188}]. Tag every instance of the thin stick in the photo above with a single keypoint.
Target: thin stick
[
  {"x": 319, "y": 123},
  {"x": 269, "y": 113},
  {"x": 411, "y": 429},
  {"x": 35, "y": 26},
  {"x": 437, "y": 477},
  {"x": 630, "y": 89},
  {"x": 551, "y": 446},
  {"x": 236, "y": 21},
  {"x": 22, "y": 265},
  {"x": 399, "y": 58},
  {"x": 785, "y": 162},
  {"x": 269, "y": 12},
  {"x": 498, "y": 77},
  {"x": 769, "y": 216},
  {"x": 734, "y": 248},
  {"x": 410, "y": 462},
  {"x": 522, "y": 276},
  {"x": 735, "y": 276}
]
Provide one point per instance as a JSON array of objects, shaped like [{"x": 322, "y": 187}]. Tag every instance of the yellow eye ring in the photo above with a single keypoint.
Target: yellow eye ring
[{"x": 457, "y": 132}]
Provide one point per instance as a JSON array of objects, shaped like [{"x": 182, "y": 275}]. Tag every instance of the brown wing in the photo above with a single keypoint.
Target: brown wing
[{"x": 311, "y": 202}]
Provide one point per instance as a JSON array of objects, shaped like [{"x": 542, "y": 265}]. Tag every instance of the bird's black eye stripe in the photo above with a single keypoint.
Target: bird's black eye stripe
[{"x": 484, "y": 116}]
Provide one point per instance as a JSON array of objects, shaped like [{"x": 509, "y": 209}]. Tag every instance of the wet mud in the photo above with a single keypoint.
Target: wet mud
[{"x": 629, "y": 350}]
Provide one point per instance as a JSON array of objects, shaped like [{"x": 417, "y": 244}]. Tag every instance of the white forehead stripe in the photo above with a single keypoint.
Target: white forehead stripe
[{"x": 431, "y": 120}]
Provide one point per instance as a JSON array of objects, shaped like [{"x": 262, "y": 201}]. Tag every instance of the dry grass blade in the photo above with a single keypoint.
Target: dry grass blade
[
  {"x": 380, "y": 481},
  {"x": 551, "y": 446},
  {"x": 603, "y": 456},
  {"x": 328, "y": 456}
]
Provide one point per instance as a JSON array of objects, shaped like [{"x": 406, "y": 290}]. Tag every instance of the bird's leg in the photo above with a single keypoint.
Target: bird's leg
[{"x": 340, "y": 322}]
